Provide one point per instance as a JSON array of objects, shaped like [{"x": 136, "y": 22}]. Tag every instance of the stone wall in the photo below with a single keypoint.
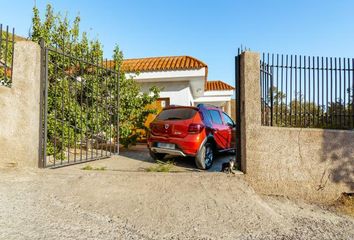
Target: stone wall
[
  {"x": 312, "y": 164},
  {"x": 19, "y": 109}
]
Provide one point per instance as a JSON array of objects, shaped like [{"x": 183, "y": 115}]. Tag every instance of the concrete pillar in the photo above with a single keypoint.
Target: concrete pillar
[
  {"x": 228, "y": 108},
  {"x": 19, "y": 109},
  {"x": 250, "y": 102}
]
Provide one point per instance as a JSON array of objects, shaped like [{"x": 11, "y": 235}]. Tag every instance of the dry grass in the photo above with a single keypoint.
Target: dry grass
[
  {"x": 345, "y": 204},
  {"x": 89, "y": 168},
  {"x": 161, "y": 167}
]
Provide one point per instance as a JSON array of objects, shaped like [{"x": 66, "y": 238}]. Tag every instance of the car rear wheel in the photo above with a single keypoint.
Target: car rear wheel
[
  {"x": 157, "y": 156},
  {"x": 205, "y": 157}
]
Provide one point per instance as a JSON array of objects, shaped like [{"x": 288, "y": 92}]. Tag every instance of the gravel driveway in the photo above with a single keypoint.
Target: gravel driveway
[{"x": 75, "y": 204}]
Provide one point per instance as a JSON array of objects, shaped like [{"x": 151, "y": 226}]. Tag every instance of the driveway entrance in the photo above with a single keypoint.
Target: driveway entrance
[{"x": 138, "y": 159}]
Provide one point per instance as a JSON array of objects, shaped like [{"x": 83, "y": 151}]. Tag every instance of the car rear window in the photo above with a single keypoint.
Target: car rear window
[
  {"x": 176, "y": 114},
  {"x": 215, "y": 116}
]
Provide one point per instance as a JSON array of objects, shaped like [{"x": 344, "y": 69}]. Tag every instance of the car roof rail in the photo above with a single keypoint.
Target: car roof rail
[{"x": 201, "y": 105}]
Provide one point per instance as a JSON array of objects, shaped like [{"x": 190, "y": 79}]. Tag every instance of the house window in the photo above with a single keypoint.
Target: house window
[{"x": 164, "y": 102}]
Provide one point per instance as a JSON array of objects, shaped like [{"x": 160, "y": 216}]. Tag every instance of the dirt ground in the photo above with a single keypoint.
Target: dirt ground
[
  {"x": 70, "y": 203},
  {"x": 137, "y": 159}
]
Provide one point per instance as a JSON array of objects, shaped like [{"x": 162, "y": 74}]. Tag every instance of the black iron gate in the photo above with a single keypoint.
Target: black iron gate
[
  {"x": 238, "y": 106},
  {"x": 79, "y": 108}
]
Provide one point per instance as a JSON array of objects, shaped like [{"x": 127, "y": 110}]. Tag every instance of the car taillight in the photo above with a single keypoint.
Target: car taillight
[{"x": 195, "y": 128}]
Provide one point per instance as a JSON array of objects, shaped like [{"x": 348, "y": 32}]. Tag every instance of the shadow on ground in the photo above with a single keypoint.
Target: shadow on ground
[
  {"x": 141, "y": 153},
  {"x": 137, "y": 158}
]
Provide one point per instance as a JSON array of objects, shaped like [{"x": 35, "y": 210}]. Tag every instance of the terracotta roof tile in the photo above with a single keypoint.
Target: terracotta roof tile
[
  {"x": 161, "y": 64},
  {"x": 217, "y": 86}
]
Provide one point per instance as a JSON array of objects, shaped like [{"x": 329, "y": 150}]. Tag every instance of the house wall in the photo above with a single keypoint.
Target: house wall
[
  {"x": 178, "y": 92},
  {"x": 233, "y": 109},
  {"x": 19, "y": 108},
  {"x": 195, "y": 77},
  {"x": 312, "y": 164},
  {"x": 220, "y": 99}
]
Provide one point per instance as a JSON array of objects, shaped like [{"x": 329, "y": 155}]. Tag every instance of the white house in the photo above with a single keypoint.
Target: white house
[{"x": 183, "y": 80}]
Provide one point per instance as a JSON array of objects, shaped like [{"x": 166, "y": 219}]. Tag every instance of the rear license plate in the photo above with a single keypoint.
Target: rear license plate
[{"x": 166, "y": 145}]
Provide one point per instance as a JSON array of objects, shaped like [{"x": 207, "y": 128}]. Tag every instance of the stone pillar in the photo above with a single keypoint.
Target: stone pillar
[
  {"x": 250, "y": 102},
  {"x": 228, "y": 108},
  {"x": 19, "y": 109}
]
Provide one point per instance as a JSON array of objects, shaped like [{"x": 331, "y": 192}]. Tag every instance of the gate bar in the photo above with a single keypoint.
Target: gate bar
[
  {"x": 238, "y": 108},
  {"x": 43, "y": 106}
]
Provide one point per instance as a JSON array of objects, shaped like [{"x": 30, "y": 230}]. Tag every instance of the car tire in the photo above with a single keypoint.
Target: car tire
[
  {"x": 205, "y": 157},
  {"x": 157, "y": 156}
]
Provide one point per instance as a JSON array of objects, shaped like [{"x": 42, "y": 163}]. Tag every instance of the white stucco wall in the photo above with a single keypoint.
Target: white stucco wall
[
  {"x": 182, "y": 87},
  {"x": 215, "y": 96},
  {"x": 219, "y": 93},
  {"x": 196, "y": 78},
  {"x": 190, "y": 97},
  {"x": 178, "y": 92}
]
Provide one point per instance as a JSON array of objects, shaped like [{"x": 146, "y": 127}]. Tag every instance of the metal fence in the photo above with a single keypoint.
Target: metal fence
[
  {"x": 7, "y": 40},
  {"x": 80, "y": 101},
  {"x": 304, "y": 91}
]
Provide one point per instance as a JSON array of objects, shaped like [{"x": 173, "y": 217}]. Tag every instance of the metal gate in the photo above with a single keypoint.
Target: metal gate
[
  {"x": 238, "y": 106},
  {"x": 79, "y": 108}
]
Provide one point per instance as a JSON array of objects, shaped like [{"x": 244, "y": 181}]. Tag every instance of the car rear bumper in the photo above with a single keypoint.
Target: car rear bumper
[
  {"x": 168, "y": 151},
  {"x": 187, "y": 146}
]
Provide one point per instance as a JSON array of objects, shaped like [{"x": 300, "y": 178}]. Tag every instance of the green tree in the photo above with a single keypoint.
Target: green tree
[
  {"x": 340, "y": 114},
  {"x": 6, "y": 55},
  {"x": 280, "y": 109},
  {"x": 132, "y": 111},
  {"x": 93, "y": 112},
  {"x": 297, "y": 113},
  {"x": 304, "y": 114}
]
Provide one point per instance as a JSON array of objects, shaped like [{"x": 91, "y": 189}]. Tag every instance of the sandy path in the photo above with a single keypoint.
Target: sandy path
[{"x": 75, "y": 204}]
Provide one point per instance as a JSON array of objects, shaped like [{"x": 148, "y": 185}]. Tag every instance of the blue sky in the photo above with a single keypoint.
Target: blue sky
[{"x": 208, "y": 30}]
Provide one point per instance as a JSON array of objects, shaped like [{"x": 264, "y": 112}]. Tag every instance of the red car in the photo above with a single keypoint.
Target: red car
[{"x": 199, "y": 132}]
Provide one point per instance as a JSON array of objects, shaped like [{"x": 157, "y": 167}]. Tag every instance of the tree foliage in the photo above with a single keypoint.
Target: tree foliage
[
  {"x": 133, "y": 111},
  {"x": 300, "y": 113},
  {"x": 83, "y": 88},
  {"x": 6, "y": 55}
]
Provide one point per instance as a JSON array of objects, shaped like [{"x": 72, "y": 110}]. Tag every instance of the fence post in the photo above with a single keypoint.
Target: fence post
[
  {"x": 118, "y": 105},
  {"x": 250, "y": 101},
  {"x": 352, "y": 110},
  {"x": 238, "y": 108},
  {"x": 19, "y": 125}
]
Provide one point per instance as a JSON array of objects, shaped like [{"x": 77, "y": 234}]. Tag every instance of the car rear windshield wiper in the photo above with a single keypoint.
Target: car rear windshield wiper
[{"x": 173, "y": 118}]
